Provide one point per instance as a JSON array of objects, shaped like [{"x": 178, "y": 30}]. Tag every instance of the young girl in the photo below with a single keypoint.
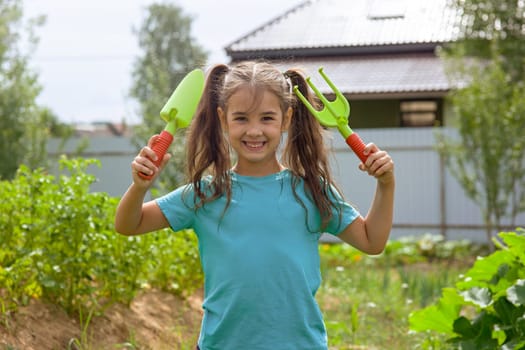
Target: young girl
[{"x": 259, "y": 218}]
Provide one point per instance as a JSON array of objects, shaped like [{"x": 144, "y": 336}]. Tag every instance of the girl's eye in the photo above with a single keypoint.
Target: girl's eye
[
  {"x": 268, "y": 118},
  {"x": 239, "y": 118}
]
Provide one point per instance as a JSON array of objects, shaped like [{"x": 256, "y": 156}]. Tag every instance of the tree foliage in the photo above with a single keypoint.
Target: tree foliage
[
  {"x": 169, "y": 52},
  {"x": 24, "y": 126},
  {"x": 493, "y": 28},
  {"x": 18, "y": 89},
  {"x": 488, "y": 158}
]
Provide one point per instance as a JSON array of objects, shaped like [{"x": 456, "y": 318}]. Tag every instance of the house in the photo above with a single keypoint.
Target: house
[
  {"x": 380, "y": 53},
  {"x": 383, "y": 56}
]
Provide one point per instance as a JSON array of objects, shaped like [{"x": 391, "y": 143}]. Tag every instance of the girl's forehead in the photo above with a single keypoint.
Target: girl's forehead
[{"x": 250, "y": 98}]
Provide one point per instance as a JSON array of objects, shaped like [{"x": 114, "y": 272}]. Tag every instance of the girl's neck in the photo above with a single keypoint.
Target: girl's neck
[{"x": 257, "y": 170}]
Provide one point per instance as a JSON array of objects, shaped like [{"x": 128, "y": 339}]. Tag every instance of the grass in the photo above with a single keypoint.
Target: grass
[{"x": 366, "y": 300}]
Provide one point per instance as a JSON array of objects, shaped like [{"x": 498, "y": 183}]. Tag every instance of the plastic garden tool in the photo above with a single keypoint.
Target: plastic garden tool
[
  {"x": 334, "y": 114},
  {"x": 178, "y": 112}
]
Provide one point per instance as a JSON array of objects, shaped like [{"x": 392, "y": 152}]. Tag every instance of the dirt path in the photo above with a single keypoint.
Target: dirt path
[{"x": 154, "y": 320}]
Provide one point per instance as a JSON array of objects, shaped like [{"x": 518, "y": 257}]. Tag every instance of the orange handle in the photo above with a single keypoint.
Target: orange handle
[
  {"x": 160, "y": 147},
  {"x": 357, "y": 145}
]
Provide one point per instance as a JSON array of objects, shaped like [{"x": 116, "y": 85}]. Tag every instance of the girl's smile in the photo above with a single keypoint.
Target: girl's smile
[
  {"x": 254, "y": 125},
  {"x": 254, "y": 146}
]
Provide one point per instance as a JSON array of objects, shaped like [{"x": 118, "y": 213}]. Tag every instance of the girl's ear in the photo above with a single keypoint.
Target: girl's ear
[
  {"x": 287, "y": 118},
  {"x": 222, "y": 118}
]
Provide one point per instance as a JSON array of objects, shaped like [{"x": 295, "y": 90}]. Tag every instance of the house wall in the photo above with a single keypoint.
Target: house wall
[{"x": 428, "y": 199}]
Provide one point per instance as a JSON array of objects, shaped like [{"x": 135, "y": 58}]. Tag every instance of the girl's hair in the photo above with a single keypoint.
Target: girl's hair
[{"x": 304, "y": 152}]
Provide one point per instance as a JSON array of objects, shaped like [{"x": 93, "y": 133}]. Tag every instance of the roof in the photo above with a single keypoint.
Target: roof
[
  {"x": 366, "y": 76},
  {"x": 346, "y": 26},
  {"x": 369, "y": 48}
]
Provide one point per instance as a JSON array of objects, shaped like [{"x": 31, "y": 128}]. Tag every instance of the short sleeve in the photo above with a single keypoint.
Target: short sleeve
[
  {"x": 343, "y": 215},
  {"x": 175, "y": 207}
]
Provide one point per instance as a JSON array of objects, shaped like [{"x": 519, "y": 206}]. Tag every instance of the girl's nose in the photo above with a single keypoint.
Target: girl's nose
[{"x": 254, "y": 130}]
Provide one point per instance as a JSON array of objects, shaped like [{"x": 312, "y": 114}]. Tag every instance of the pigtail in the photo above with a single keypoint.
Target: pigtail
[
  {"x": 207, "y": 152},
  {"x": 305, "y": 151},
  {"x": 304, "y": 134}
]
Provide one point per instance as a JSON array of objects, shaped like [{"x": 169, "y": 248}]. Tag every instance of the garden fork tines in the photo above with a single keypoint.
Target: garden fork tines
[{"x": 334, "y": 114}]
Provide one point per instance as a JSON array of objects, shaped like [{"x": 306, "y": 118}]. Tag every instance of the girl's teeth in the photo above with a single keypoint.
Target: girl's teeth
[{"x": 254, "y": 144}]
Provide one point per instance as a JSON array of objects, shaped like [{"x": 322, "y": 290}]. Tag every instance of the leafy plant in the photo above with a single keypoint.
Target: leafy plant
[
  {"x": 57, "y": 242},
  {"x": 486, "y": 309},
  {"x": 487, "y": 67}
]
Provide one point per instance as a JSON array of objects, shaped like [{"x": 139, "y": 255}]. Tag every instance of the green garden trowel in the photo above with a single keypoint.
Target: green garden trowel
[{"x": 178, "y": 112}]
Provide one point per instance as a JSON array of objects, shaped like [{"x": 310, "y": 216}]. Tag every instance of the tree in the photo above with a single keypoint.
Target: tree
[
  {"x": 169, "y": 53},
  {"x": 488, "y": 158},
  {"x": 18, "y": 88},
  {"x": 24, "y": 126},
  {"x": 490, "y": 29}
]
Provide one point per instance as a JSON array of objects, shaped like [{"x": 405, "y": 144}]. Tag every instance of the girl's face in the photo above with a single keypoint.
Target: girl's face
[{"x": 254, "y": 130}]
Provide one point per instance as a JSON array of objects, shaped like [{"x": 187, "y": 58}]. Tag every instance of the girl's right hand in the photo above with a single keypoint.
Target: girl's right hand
[{"x": 143, "y": 163}]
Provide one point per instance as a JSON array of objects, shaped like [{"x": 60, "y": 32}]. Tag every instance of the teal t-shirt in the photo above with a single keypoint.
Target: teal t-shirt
[{"x": 260, "y": 261}]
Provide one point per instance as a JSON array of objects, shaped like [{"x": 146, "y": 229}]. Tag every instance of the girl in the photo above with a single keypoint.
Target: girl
[{"x": 258, "y": 218}]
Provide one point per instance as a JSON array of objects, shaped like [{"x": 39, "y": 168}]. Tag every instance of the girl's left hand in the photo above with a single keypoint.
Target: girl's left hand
[{"x": 379, "y": 164}]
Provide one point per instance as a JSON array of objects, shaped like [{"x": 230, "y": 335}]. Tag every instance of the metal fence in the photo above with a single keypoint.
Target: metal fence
[{"x": 428, "y": 199}]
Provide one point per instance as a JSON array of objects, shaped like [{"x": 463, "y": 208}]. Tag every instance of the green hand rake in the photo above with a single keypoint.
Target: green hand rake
[{"x": 334, "y": 114}]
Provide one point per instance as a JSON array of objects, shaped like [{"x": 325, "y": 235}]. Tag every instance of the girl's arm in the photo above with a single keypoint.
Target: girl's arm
[
  {"x": 370, "y": 234},
  {"x": 133, "y": 216}
]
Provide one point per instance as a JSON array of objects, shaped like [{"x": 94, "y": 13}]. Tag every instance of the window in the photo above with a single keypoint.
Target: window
[
  {"x": 386, "y": 9},
  {"x": 419, "y": 113}
]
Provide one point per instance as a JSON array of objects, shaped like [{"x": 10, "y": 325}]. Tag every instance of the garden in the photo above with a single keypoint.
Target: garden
[{"x": 68, "y": 281}]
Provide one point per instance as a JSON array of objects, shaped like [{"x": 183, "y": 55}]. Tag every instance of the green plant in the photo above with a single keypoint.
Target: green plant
[
  {"x": 58, "y": 243},
  {"x": 486, "y": 309},
  {"x": 84, "y": 342}
]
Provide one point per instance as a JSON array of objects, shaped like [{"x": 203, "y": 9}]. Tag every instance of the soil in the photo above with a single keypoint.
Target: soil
[{"x": 154, "y": 320}]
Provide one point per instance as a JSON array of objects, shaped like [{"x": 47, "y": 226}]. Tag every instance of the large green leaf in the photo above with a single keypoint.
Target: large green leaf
[
  {"x": 478, "y": 334},
  {"x": 515, "y": 243},
  {"x": 439, "y": 317},
  {"x": 507, "y": 312},
  {"x": 485, "y": 269}
]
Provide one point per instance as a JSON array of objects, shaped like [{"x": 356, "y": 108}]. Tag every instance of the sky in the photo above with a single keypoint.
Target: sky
[{"x": 87, "y": 48}]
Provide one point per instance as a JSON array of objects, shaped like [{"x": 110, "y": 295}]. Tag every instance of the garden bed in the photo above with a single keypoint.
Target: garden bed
[{"x": 154, "y": 320}]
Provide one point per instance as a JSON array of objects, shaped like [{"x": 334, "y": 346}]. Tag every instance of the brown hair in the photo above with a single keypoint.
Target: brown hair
[{"x": 304, "y": 152}]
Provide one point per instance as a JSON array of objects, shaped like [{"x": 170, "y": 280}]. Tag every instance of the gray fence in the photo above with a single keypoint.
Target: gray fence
[
  {"x": 114, "y": 153},
  {"x": 428, "y": 199}
]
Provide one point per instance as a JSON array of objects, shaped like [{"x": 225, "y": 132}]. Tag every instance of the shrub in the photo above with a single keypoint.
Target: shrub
[{"x": 486, "y": 309}]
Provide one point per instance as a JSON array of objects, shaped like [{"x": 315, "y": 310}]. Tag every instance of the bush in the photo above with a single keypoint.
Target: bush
[
  {"x": 57, "y": 242},
  {"x": 486, "y": 309}
]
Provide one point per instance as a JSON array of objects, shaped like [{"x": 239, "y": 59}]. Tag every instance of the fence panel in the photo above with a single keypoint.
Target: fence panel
[{"x": 428, "y": 198}]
